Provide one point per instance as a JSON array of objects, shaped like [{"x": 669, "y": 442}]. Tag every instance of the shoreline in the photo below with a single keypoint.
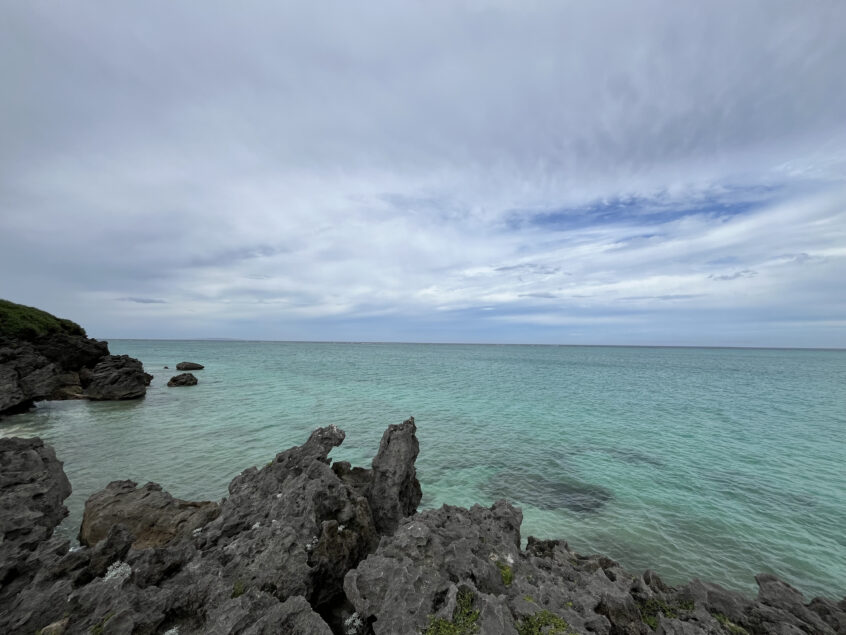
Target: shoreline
[{"x": 325, "y": 547}]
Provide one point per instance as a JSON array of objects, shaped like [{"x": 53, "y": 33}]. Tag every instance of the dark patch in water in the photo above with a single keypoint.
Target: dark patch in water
[{"x": 564, "y": 492}]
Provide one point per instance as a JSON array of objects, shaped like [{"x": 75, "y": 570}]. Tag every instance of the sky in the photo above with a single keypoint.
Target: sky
[{"x": 648, "y": 173}]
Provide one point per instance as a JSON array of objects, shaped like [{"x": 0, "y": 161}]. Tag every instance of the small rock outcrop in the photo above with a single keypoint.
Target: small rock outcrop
[
  {"x": 152, "y": 516},
  {"x": 395, "y": 491},
  {"x": 185, "y": 379},
  {"x": 117, "y": 377},
  {"x": 189, "y": 366},
  {"x": 296, "y": 548},
  {"x": 44, "y": 357}
]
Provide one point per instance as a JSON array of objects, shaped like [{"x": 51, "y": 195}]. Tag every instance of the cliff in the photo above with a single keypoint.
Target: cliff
[{"x": 45, "y": 357}]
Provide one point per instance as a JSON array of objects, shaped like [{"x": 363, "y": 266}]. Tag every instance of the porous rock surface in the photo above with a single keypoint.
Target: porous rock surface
[
  {"x": 152, "y": 516},
  {"x": 64, "y": 366},
  {"x": 297, "y": 548},
  {"x": 183, "y": 379},
  {"x": 117, "y": 377}
]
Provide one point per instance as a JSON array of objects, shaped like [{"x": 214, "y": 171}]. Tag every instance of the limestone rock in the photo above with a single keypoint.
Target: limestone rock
[
  {"x": 395, "y": 491},
  {"x": 151, "y": 515},
  {"x": 185, "y": 379},
  {"x": 189, "y": 366},
  {"x": 117, "y": 377}
]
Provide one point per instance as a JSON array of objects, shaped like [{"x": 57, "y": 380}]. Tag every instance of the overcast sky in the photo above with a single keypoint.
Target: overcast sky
[{"x": 561, "y": 172}]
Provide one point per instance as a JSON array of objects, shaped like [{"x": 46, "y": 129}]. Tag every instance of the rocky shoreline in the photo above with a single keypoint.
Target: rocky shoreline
[
  {"x": 305, "y": 545},
  {"x": 44, "y": 357}
]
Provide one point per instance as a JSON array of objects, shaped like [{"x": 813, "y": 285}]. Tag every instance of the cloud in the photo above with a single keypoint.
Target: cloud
[
  {"x": 453, "y": 170},
  {"x": 143, "y": 300}
]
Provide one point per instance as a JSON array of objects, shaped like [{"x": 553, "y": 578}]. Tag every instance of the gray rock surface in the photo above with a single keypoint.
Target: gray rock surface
[
  {"x": 117, "y": 377},
  {"x": 185, "y": 379},
  {"x": 296, "y": 548},
  {"x": 152, "y": 516},
  {"x": 32, "y": 488},
  {"x": 395, "y": 491},
  {"x": 61, "y": 366},
  {"x": 189, "y": 366}
]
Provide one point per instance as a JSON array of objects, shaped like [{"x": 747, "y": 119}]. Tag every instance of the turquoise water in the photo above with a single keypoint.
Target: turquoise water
[{"x": 711, "y": 463}]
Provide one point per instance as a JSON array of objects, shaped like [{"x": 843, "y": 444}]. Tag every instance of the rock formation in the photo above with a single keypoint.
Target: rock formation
[
  {"x": 184, "y": 379},
  {"x": 44, "y": 357},
  {"x": 189, "y": 366},
  {"x": 152, "y": 516},
  {"x": 298, "y": 547}
]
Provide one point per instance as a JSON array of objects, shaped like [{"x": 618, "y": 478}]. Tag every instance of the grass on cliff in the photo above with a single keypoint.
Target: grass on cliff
[
  {"x": 28, "y": 323},
  {"x": 464, "y": 618}
]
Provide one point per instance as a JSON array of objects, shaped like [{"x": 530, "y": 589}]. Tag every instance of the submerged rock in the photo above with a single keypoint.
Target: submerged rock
[
  {"x": 189, "y": 366},
  {"x": 185, "y": 379}
]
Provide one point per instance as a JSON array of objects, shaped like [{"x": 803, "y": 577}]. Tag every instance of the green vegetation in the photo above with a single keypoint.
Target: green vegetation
[
  {"x": 543, "y": 623},
  {"x": 27, "y": 323},
  {"x": 98, "y": 628},
  {"x": 238, "y": 588},
  {"x": 506, "y": 572},
  {"x": 653, "y": 607},
  {"x": 464, "y": 618},
  {"x": 529, "y": 598},
  {"x": 730, "y": 626}
]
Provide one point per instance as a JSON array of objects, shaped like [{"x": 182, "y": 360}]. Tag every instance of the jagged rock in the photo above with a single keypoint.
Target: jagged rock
[
  {"x": 415, "y": 572},
  {"x": 117, "y": 377},
  {"x": 32, "y": 488},
  {"x": 189, "y": 366},
  {"x": 71, "y": 352},
  {"x": 395, "y": 491},
  {"x": 185, "y": 379},
  {"x": 148, "y": 378},
  {"x": 294, "y": 550},
  {"x": 43, "y": 357},
  {"x": 153, "y": 516}
]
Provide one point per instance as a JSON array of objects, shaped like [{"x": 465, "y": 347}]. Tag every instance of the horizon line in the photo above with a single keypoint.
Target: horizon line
[{"x": 261, "y": 341}]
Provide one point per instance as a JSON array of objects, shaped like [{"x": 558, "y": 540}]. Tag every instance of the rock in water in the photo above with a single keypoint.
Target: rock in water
[
  {"x": 189, "y": 366},
  {"x": 185, "y": 379},
  {"x": 44, "y": 357},
  {"x": 395, "y": 491},
  {"x": 117, "y": 377}
]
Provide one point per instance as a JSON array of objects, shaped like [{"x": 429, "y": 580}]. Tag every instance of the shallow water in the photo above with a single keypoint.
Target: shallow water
[{"x": 711, "y": 463}]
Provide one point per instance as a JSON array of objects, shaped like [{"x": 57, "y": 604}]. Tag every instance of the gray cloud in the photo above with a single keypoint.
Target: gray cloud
[
  {"x": 143, "y": 300},
  {"x": 283, "y": 168},
  {"x": 746, "y": 273}
]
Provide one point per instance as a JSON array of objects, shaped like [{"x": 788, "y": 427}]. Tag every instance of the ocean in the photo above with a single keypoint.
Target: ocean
[{"x": 694, "y": 462}]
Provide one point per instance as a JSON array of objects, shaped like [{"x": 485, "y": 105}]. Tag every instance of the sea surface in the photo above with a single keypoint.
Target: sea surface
[{"x": 694, "y": 462}]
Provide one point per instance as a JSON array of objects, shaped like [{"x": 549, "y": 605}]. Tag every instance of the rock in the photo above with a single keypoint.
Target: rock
[
  {"x": 71, "y": 352},
  {"x": 152, "y": 516},
  {"x": 44, "y": 357},
  {"x": 148, "y": 378},
  {"x": 185, "y": 379},
  {"x": 117, "y": 377},
  {"x": 295, "y": 549},
  {"x": 32, "y": 488},
  {"x": 188, "y": 366},
  {"x": 395, "y": 491}
]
